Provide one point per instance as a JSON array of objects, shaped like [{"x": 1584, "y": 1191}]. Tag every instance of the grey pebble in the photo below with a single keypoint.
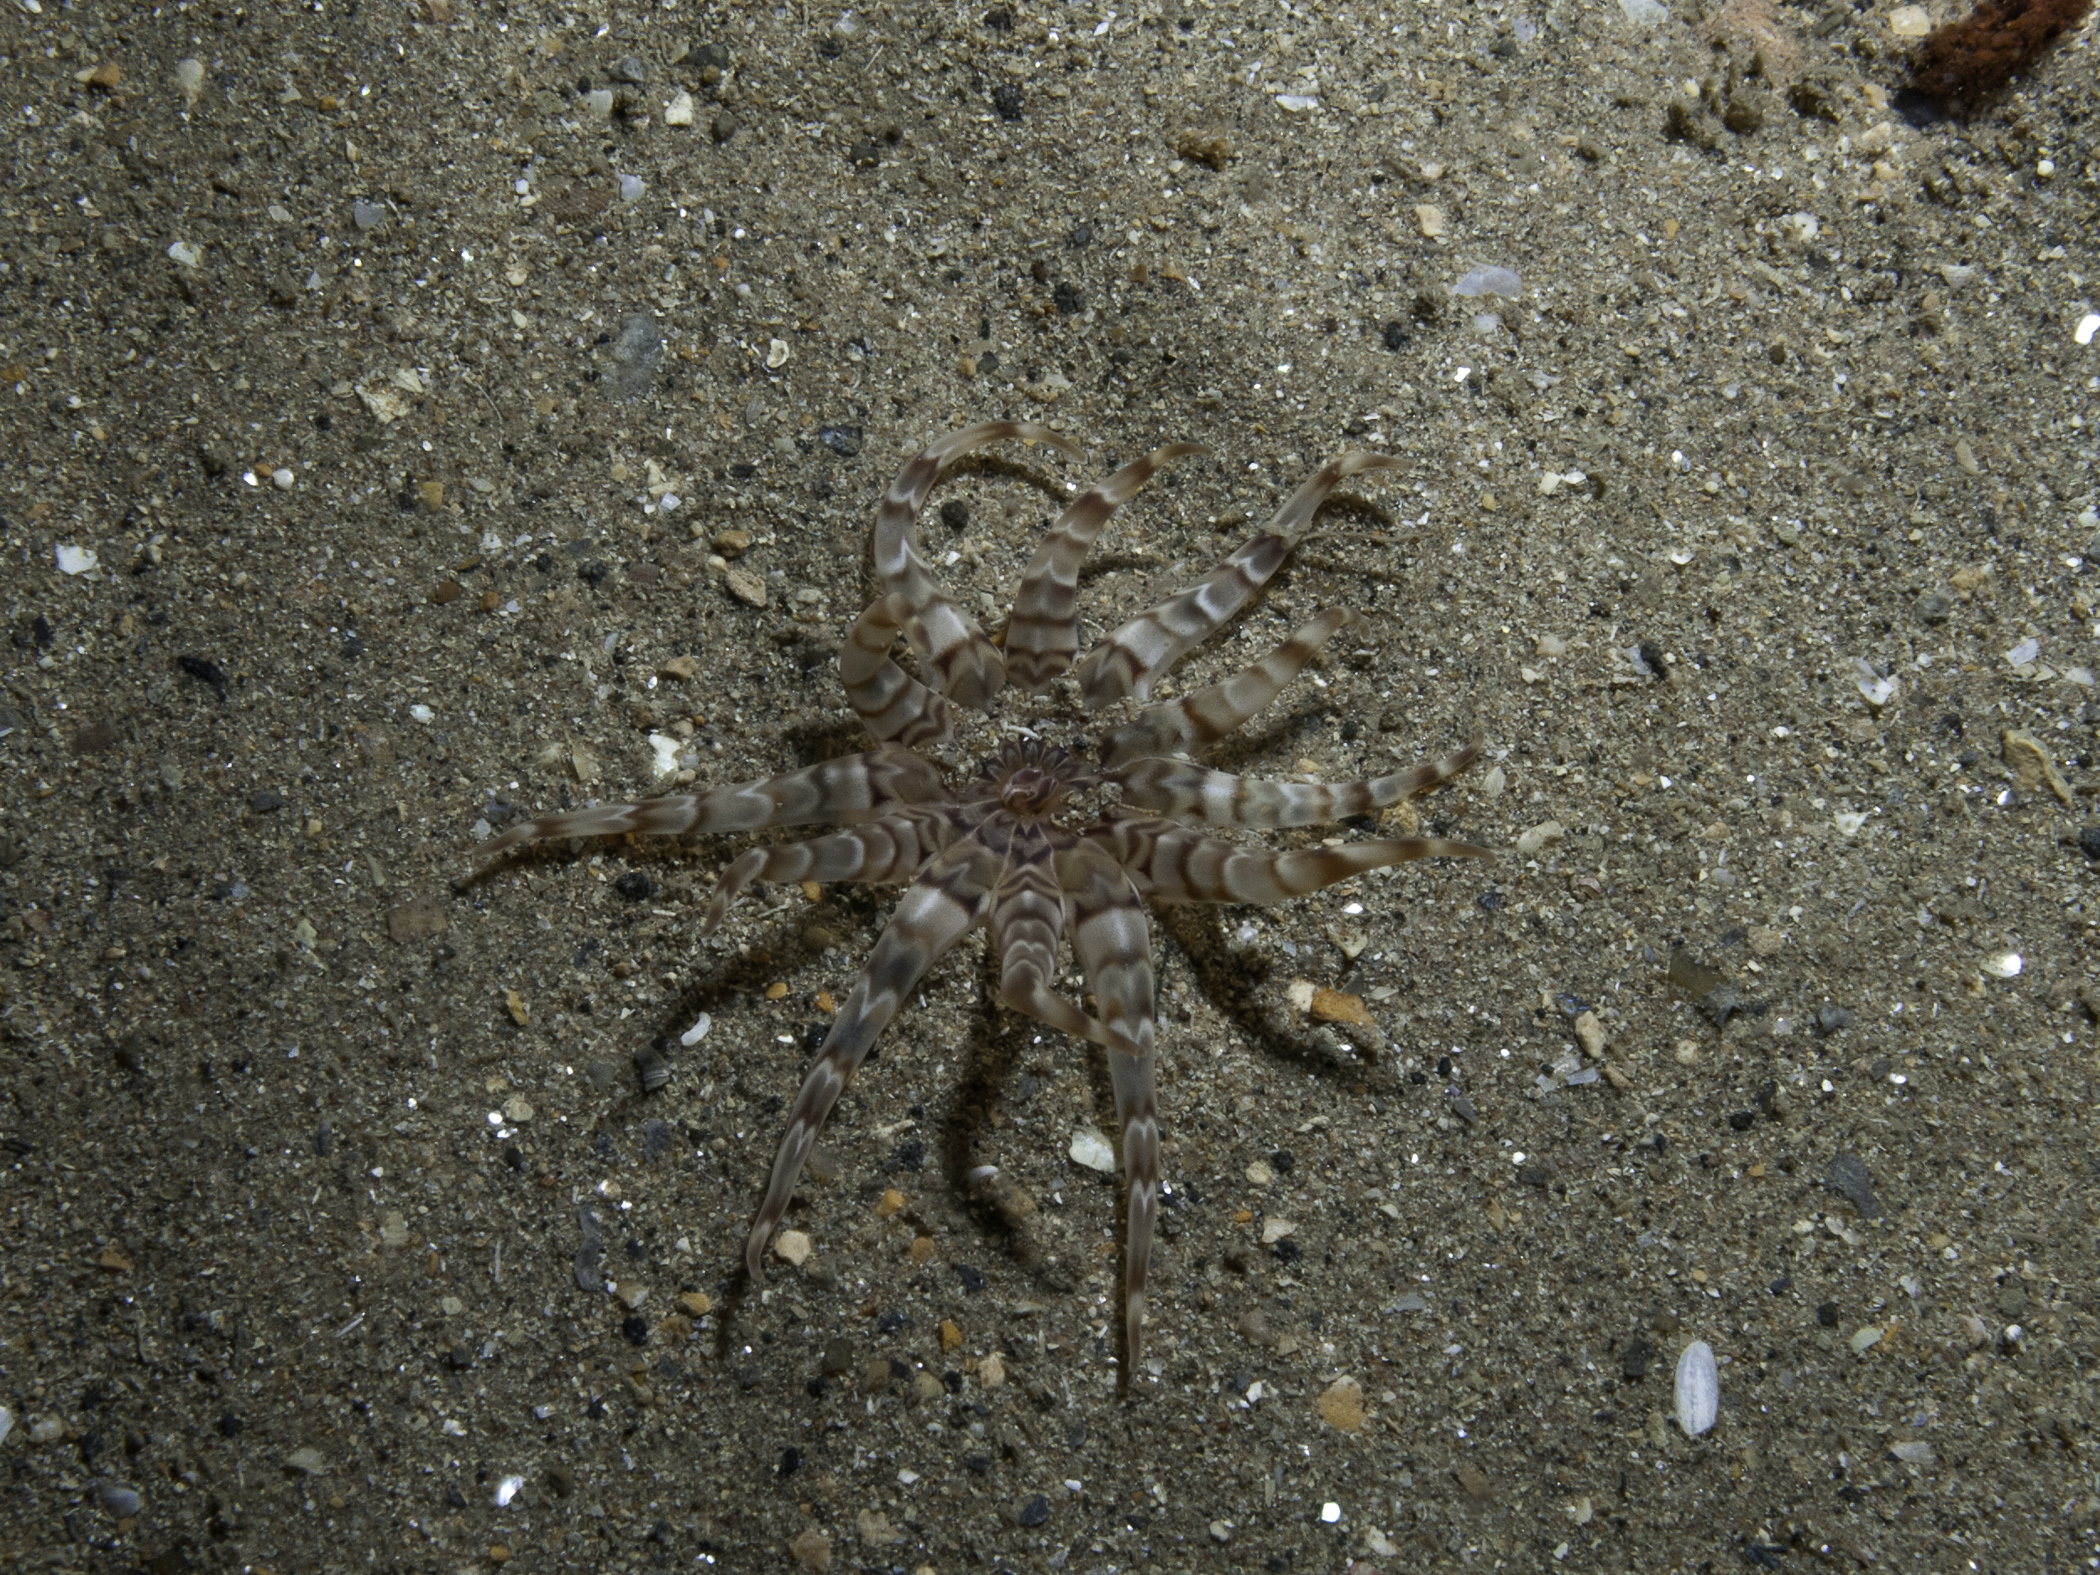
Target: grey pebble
[
  {"x": 600, "y": 1074},
  {"x": 1461, "y": 1106},
  {"x": 654, "y": 1068},
  {"x": 1848, "y": 1177},
  {"x": 266, "y": 802},
  {"x": 1934, "y": 607},
  {"x": 591, "y": 1250},
  {"x": 1832, "y": 1019},
  {"x": 1033, "y": 1512},
  {"x": 367, "y": 215},
  {"x": 842, "y": 441},
  {"x": 635, "y": 353},
  {"x": 656, "y": 1137},
  {"x": 632, "y": 70},
  {"x": 121, "y": 1501}
]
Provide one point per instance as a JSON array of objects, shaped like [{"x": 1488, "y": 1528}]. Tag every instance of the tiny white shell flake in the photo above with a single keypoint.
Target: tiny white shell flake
[{"x": 1698, "y": 1389}]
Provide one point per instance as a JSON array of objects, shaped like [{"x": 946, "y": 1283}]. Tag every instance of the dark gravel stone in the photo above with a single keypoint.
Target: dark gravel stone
[
  {"x": 1742, "y": 1120},
  {"x": 790, "y": 1461},
  {"x": 955, "y": 514},
  {"x": 972, "y": 1279},
  {"x": 461, "y": 1357},
  {"x": 205, "y": 671},
  {"x": 455, "y": 1499},
  {"x": 636, "y": 1328},
  {"x": 1068, "y": 301},
  {"x": 631, "y": 69},
  {"x": 891, "y": 1322},
  {"x": 1395, "y": 335},
  {"x": 266, "y": 802},
  {"x": 1006, "y": 100},
  {"x": 1033, "y": 1513},
  {"x": 908, "y": 1155},
  {"x": 656, "y": 1137},
  {"x": 1635, "y": 1360},
  {"x": 1848, "y": 1178},
  {"x": 634, "y": 886},
  {"x": 1827, "y": 1315},
  {"x": 1461, "y": 1106},
  {"x": 750, "y": 1376},
  {"x": 841, "y": 440},
  {"x": 230, "y": 1424},
  {"x": 2089, "y": 842},
  {"x": 1831, "y": 1020}
]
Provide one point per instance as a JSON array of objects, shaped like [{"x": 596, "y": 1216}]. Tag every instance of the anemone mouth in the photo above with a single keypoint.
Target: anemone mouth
[{"x": 1034, "y": 779}]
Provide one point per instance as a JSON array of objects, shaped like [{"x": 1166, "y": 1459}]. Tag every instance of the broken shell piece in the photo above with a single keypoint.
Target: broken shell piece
[{"x": 2003, "y": 965}]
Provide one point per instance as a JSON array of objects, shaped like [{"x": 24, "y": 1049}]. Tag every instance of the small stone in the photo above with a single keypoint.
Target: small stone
[
  {"x": 632, "y": 69},
  {"x": 1589, "y": 1033},
  {"x": 48, "y": 1430},
  {"x": 732, "y": 543},
  {"x": 307, "y": 1461},
  {"x": 723, "y": 127},
  {"x": 1934, "y": 607},
  {"x": 872, "y": 1526},
  {"x": 812, "y": 1550},
  {"x": 1913, "y": 1452},
  {"x": 1864, "y": 1339},
  {"x": 1698, "y": 1389},
  {"x": 746, "y": 587},
  {"x": 393, "y": 1229},
  {"x": 515, "y": 1005},
  {"x": 1635, "y": 1359},
  {"x": 120, "y": 1501},
  {"x": 1848, "y": 1177},
  {"x": 1539, "y": 838},
  {"x": 793, "y": 1246},
  {"x": 1334, "y": 1006},
  {"x": 1091, "y": 1149},
  {"x": 1430, "y": 220},
  {"x": 600, "y": 104},
  {"x": 1259, "y": 1174},
  {"x": 189, "y": 80},
  {"x": 843, "y": 441},
  {"x": 367, "y": 215},
  {"x": 679, "y": 112},
  {"x": 1341, "y": 1405},
  {"x": 1212, "y": 149},
  {"x": 74, "y": 559},
  {"x": 1032, "y": 1512},
  {"x": 1474, "y": 1483},
  {"x": 951, "y": 1335},
  {"x": 2031, "y": 765},
  {"x": 1274, "y": 1229}
]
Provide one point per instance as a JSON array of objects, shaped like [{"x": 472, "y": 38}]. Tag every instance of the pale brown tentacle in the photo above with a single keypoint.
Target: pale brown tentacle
[
  {"x": 841, "y": 792},
  {"x": 1195, "y": 722},
  {"x": 1217, "y": 798},
  {"x": 1042, "y": 635},
  {"x": 942, "y": 906},
  {"x": 1170, "y": 863},
  {"x": 1114, "y": 945},
  {"x": 894, "y": 706},
  {"x": 954, "y": 654},
  {"x": 1129, "y": 661},
  {"x": 894, "y": 848}
]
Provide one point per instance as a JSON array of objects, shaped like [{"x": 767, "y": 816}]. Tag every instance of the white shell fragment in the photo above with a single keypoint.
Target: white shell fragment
[
  {"x": 665, "y": 749},
  {"x": 506, "y": 1490},
  {"x": 1698, "y": 1389},
  {"x": 2088, "y": 325},
  {"x": 1091, "y": 1149},
  {"x": 1879, "y": 691},
  {"x": 75, "y": 560},
  {"x": 2003, "y": 965},
  {"x": 697, "y": 1032}
]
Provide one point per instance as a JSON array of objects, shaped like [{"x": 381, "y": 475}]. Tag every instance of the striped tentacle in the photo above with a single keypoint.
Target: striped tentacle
[
  {"x": 894, "y": 706},
  {"x": 1218, "y": 798},
  {"x": 1170, "y": 863},
  {"x": 841, "y": 792},
  {"x": 953, "y": 652},
  {"x": 1114, "y": 945},
  {"x": 1131, "y": 660},
  {"x": 1042, "y": 636},
  {"x": 1195, "y": 722},
  {"x": 882, "y": 852},
  {"x": 943, "y": 905},
  {"x": 1027, "y": 922}
]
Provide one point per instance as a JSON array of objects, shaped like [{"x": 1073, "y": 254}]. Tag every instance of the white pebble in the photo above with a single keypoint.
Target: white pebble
[
  {"x": 1330, "y": 1513},
  {"x": 2023, "y": 653},
  {"x": 422, "y": 713},
  {"x": 282, "y": 478},
  {"x": 189, "y": 77},
  {"x": 2088, "y": 326},
  {"x": 631, "y": 188},
  {"x": 185, "y": 255},
  {"x": 697, "y": 1032},
  {"x": 665, "y": 748},
  {"x": 1879, "y": 691},
  {"x": 75, "y": 560},
  {"x": 1091, "y": 1149},
  {"x": 1489, "y": 281},
  {"x": 1915, "y": 1452},
  {"x": 679, "y": 112},
  {"x": 1698, "y": 1389},
  {"x": 507, "y": 1489},
  {"x": 2003, "y": 965},
  {"x": 599, "y": 104}
]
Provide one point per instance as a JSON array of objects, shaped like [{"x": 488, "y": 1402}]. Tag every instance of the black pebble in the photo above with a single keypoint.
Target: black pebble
[
  {"x": 656, "y": 1137},
  {"x": 1006, "y": 99},
  {"x": 1742, "y": 1120},
  {"x": 1827, "y": 1315},
  {"x": 266, "y": 802},
  {"x": 634, "y": 886},
  {"x": 461, "y": 1357},
  {"x": 1831, "y": 1020},
  {"x": 455, "y": 1498},
  {"x": 972, "y": 1280},
  {"x": 1068, "y": 301},
  {"x": 1035, "y": 1512},
  {"x": 790, "y": 1461},
  {"x": 1635, "y": 1360},
  {"x": 636, "y": 1328},
  {"x": 891, "y": 1322},
  {"x": 230, "y": 1425},
  {"x": 2089, "y": 842},
  {"x": 205, "y": 671},
  {"x": 1395, "y": 335},
  {"x": 842, "y": 441},
  {"x": 955, "y": 514}
]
